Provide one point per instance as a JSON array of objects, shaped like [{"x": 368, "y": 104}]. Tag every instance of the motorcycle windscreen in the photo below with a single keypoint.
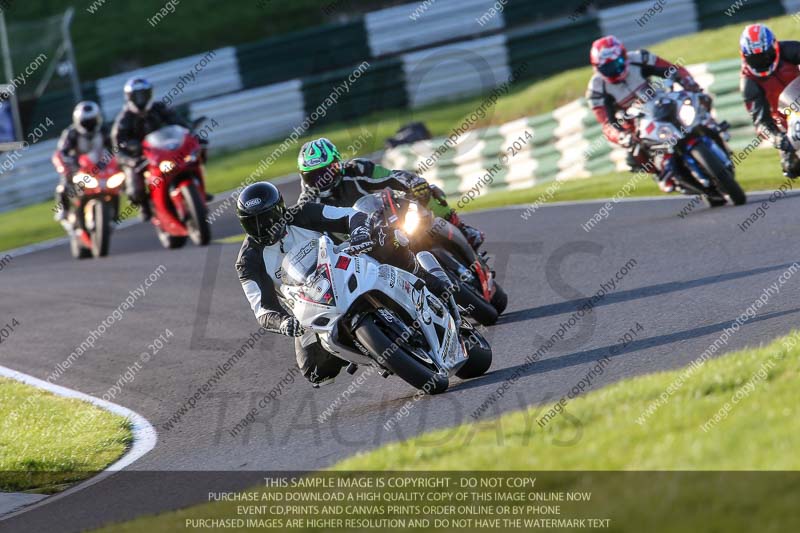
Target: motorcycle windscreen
[
  {"x": 167, "y": 138},
  {"x": 369, "y": 204},
  {"x": 300, "y": 263},
  {"x": 790, "y": 98}
]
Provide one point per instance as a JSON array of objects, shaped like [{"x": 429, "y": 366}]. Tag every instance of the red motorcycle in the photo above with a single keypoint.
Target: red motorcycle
[
  {"x": 176, "y": 183},
  {"x": 94, "y": 200}
]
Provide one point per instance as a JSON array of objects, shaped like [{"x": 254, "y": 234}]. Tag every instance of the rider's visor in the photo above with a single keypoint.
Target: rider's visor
[
  {"x": 267, "y": 228},
  {"x": 141, "y": 97},
  {"x": 613, "y": 69},
  {"x": 762, "y": 62},
  {"x": 90, "y": 124},
  {"x": 322, "y": 179}
]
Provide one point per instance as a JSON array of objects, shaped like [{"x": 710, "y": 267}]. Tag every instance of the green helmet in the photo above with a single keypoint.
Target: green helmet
[{"x": 319, "y": 163}]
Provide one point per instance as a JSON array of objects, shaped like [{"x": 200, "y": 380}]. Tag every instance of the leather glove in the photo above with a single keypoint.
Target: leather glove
[
  {"x": 291, "y": 327},
  {"x": 360, "y": 241},
  {"x": 420, "y": 188},
  {"x": 625, "y": 139},
  {"x": 783, "y": 143}
]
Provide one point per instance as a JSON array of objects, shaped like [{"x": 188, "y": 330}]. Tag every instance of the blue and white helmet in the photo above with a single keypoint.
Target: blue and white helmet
[{"x": 761, "y": 51}]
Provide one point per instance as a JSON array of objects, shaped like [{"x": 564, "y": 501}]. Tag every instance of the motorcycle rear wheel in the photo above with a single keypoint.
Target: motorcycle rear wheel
[
  {"x": 478, "y": 308},
  {"x": 400, "y": 362},
  {"x": 500, "y": 299}
]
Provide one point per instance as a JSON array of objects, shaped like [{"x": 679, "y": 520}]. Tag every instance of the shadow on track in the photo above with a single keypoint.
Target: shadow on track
[
  {"x": 594, "y": 354},
  {"x": 570, "y": 306}
]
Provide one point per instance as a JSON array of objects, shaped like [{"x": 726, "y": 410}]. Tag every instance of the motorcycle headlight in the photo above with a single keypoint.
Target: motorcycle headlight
[
  {"x": 166, "y": 166},
  {"x": 665, "y": 133},
  {"x": 411, "y": 221},
  {"x": 687, "y": 113},
  {"x": 116, "y": 180},
  {"x": 85, "y": 180}
]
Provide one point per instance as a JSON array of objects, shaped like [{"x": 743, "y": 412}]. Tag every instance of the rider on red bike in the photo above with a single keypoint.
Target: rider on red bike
[
  {"x": 86, "y": 136},
  {"x": 139, "y": 117},
  {"x": 620, "y": 80},
  {"x": 768, "y": 66}
]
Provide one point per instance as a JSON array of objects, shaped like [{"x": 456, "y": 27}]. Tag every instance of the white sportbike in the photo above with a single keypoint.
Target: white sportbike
[{"x": 368, "y": 313}]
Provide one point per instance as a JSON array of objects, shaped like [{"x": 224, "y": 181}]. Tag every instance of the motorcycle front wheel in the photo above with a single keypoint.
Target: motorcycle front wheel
[
  {"x": 101, "y": 236},
  {"x": 398, "y": 360},
  {"x": 721, "y": 174},
  {"x": 197, "y": 223},
  {"x": 479, "y": 355}
]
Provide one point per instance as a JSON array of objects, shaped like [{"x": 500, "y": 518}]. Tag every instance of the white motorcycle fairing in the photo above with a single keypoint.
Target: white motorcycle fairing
[{"x": 321, "y": 284}]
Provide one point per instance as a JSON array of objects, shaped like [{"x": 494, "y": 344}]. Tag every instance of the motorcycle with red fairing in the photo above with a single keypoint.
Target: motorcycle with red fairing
[
  {"x": 94, "y": 198},
  {"x": 175, "y": 177}
]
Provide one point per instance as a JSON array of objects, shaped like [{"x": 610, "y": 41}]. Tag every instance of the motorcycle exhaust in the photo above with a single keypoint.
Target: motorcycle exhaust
[{"x": 431, "y": 265}]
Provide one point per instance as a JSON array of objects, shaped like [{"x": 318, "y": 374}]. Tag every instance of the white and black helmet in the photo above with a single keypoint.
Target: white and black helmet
[
  {"x": 87, "y": 117},
  {"x": 139, "y": 94}
]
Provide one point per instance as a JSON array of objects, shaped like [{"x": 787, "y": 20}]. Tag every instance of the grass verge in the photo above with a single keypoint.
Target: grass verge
[
  {"x": 759, "y": 172},
  {"x": 40, "y": 449},
  {"x": 607, "y": 430}
]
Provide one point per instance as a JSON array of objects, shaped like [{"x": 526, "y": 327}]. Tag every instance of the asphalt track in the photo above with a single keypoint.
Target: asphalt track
[{"x": 692, "y": 277}]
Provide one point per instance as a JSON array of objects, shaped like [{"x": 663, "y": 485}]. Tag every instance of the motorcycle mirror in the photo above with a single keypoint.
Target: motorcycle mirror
[{"x": 198, "y": 121}]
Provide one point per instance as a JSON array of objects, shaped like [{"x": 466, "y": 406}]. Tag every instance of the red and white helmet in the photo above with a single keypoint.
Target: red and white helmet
[
  {"x": 610, "y": 58},
  {"x": 761, "y": 51}
]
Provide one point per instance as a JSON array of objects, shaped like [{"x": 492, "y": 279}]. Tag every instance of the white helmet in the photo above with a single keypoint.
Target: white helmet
[{"x": 86, "y": 117}]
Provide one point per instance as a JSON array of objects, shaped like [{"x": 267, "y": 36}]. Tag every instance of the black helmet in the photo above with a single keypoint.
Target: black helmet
[
  {"x": 319, "y": 163},
  {"x": 261, "y": 212},
  {"x": 138, "y": 93}
]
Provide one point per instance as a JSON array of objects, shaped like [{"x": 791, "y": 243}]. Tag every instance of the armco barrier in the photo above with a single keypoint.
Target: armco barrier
[
  {"x": 566, "y": 144},
  {"x": 215, "y": 72},
  {"x": 304, "y": 53},
  {"x": 639, "y": 24},
  {"x": 421, "y": 24},
  {"x": 251, "y": 117}
]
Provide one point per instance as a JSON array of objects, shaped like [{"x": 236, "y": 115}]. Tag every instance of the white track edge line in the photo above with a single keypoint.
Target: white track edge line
[{"x": 144, "y": 434}]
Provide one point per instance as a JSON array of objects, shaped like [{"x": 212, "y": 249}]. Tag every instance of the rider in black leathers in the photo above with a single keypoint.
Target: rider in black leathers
[{"x": 139, "y": 117}]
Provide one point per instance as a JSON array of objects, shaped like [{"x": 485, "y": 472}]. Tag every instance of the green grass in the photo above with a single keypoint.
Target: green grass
[
  {"x": 761, "y": 171},
  {"x": 48, "y": 442},
  {"x": 760, "y": 432},
  {"x": 34, "y": 223}
]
